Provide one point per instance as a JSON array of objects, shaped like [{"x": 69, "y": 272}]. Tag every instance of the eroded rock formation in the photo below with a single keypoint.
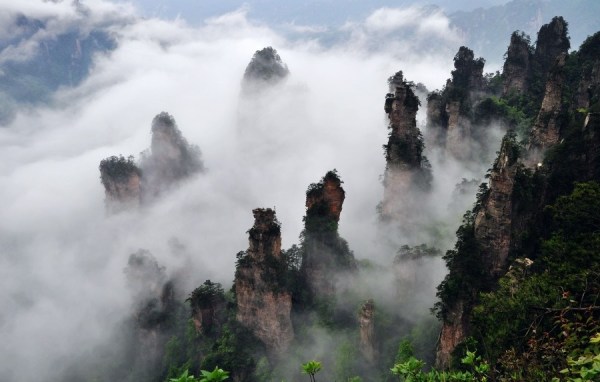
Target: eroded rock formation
[
  {"x": 522, "y": 181},
  {"x": 516, "y": 67},
  {"x": 449, "y": 122},
  {"x": 552, "y": 41},
  {"x": 208, "y": 307},
  {"x": 154, "y": 300},
  {"x": 494, "y": 220},
  {"x": 121, "y": 178},
  {"x": 546, "y": 129},
  {"x": 588, "y": 90},
  {"x": 325, "y": 252},
  {"x": 366, "y": 320},
  {"x": 170, "y": 160},
  {"x": 407, "y": 173},
  {"x": 265, "y": 69},
  {"x": 493, "y": 233},
  {"x": 263, "y": 303}
]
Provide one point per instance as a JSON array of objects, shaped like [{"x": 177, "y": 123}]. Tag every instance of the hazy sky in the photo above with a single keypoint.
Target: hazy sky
[
  {"x": 273, "y": 12},
  {"x": 62, "y": 259}
]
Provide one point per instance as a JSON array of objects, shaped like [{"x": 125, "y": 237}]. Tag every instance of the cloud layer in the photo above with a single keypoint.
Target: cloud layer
[{"x": 62, "y": 258}]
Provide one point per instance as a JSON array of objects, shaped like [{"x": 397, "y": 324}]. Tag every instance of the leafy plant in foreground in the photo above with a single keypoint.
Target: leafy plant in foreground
[{"x": 311, "y": 368}]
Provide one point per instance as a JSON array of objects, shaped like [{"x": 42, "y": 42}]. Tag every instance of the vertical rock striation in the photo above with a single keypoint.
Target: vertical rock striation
[
  {"x": 407, "y": 174},
  {"x": 522, "y": 181},
  {"x": 366, "y": 320},
  {"x": 208, "y": 307},
  {"x": 449, "y": 112},
  {"x": 493, "y": 221},
  {"x": 552, "y": 41},
  {"x": 325, "y": 253},
  {"x": 546, "y": 129},
  {"x": 516, "y": 67},
  {"x": 263, "y": 303}
]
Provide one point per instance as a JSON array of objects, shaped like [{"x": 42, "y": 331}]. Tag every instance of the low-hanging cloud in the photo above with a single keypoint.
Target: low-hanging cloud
[
  {"x": 424, "y": 21},
  {"x": 63, "y": 259}
]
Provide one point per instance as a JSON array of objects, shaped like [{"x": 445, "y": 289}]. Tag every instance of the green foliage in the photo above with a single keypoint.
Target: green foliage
[
  {"x": 493, "y": 82},
  {"x": 417, "y": 252},
  {"x": 510, "y": 148},
  {"x": 266, "y": 65},
  {"x": 404, "y": 150},
  {"x": 346, "y": 361},
  {"x": 499, "y": 109},
  {"x": 405, "y": 351},
  {"x": 542, "y": 316},
  {"x": 466, "y": 276},
  {"x": 411, "y": 370},
  {"x": 318, "y": 220},
  {"x": 217, "y": 375},
  {"x": 585, "y": 367},
  {"x": 311, "y": 368},
  {"x": 577, "y": 213},
  {"x": 206, "y": 295},
  {"x": 236, "y": 350},
  {"x": 184, "y": 377},
  {"x": 118, "y": 168}
]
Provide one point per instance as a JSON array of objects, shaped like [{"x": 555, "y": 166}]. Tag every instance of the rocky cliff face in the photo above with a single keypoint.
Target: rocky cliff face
[
  {"x": 366, "y": 320},
  {"x": 552, "y": 41},
  {"x": 170, "y": 160},
  {"x": 154, "y": 298},
  {"x": 489, "y": 242},
  {"x": 208, "y": 307},
  {"x": 516, "y": 67},
  {"x": 327, "y": 199},
  {"x": 265, "y": 69},
  {"x": 325, "y": 253},
  {"x": 263, "y": 304},
  {"x": 449, "y": 122},
  {"x": 546, "y": 129},
  {"x": 121, "y": 179},
  {"x": 407, "y": 170},
  {"x": 522, "y": 181},
  {"x": 588, "y": 89},
  {"x": 494, "y": 219}
]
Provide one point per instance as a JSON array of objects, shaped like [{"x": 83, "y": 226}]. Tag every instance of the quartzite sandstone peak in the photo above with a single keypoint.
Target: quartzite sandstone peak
[
  {"x": 170, "y": 160},
  {"x": 407, "y": 172},
  {"x": 325, "y": 252},
  {"x": 266, "y": 68},
  {"x": 263, "y": 304},
  {"x": 501, "y": 216},
  {"x": 449, "y": 122}
]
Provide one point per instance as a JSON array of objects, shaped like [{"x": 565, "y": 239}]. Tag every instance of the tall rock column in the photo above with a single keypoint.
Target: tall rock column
[
  {"x": 552, "y": 41},
  {"x": 493, "y": 221},
  {"x": 546, "y": 129},
  {"x": 449, "y": 120},
  {"x": 407, "y": 173},
  {"x": 121, "y": 179},
  {"x": 483, "y": 253},
  {"x": 516, "y": 66},
  {"x": 263, "y": 303},
  {"x": 366, "y": 320},
  {"x": 325, "y": 253},
  {"x": 170, "y": 160}
]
